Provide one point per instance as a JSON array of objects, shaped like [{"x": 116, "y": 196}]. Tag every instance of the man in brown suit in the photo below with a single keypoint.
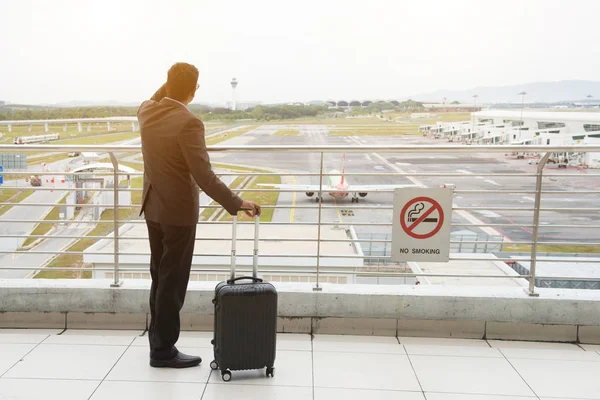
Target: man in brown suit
[{"x": 175, "y": 164}]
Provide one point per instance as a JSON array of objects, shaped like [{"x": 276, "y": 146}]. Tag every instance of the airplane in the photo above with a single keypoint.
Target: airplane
[{"x": 338, "y": 187}]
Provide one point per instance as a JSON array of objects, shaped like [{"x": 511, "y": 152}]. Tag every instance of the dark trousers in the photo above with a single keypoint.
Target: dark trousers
[{"x": 171, "y": 249}]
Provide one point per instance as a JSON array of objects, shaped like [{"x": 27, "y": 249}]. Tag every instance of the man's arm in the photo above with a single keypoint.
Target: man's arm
[
  {"x": 157, "y": 96},
  {"x": 160, "y": 93},
  {"x": 193, "y": 146}
]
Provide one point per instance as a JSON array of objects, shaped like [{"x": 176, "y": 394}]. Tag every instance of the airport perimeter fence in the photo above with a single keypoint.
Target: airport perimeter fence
[{"x": 317, "y": 270}]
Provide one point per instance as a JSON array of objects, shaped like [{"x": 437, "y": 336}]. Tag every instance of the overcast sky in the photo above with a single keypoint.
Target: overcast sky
[{"x": 61, "y": 50}]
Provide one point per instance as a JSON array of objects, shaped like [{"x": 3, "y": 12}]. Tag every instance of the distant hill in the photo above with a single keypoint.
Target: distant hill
[{"x": 537, "y": 92}]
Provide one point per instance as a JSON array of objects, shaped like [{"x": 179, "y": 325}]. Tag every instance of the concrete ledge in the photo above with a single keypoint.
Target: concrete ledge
[
  {"x": 452, "y": 329},
  {"x": 294, "y": 325},
  {"x": 84, "y": 320},
  {"x": 589, "y": 334},
  {"x": 33, "y": 320},
  {"x": 525, "y": 331},
  {"x": 355, "y": 326},
  {"x": 430, "y": 310}
]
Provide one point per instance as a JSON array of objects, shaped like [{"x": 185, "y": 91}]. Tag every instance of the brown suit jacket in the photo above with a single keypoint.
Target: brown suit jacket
[{"x": 176, "y": 163}]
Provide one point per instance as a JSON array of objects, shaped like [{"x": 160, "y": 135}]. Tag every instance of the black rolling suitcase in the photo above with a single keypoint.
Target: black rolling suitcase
[{"x": 245, "y": 319}]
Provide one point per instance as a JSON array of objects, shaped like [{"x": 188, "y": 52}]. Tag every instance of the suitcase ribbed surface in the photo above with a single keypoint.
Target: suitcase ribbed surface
[{"x": 245, "y": 325}]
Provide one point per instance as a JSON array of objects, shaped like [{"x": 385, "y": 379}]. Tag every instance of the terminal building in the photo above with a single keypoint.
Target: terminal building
[{"x": 510, "y": 127}]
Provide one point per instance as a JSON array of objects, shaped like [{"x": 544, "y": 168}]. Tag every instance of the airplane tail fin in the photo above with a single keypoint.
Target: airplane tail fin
[{"x": 343, "y": 160}]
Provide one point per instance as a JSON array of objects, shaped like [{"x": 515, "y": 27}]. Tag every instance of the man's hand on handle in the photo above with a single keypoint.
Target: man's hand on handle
[{"x": 250, "y": 208}]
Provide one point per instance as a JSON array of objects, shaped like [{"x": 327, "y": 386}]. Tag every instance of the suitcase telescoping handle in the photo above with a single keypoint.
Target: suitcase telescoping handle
[
  {"x": 233, "y": 251},
  {"x": 239, "y": 278}
]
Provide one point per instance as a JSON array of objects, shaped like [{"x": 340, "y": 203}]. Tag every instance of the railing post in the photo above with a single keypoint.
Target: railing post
[
  {"x": 320, "y": 198},
  {"x": 115, "y": 163},
  {"x": 536, "y": 223}
]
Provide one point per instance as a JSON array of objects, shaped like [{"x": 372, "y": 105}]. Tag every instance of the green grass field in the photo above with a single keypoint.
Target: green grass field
[
  {"x": 47, "y": 159},
  {"x": 207, "y": 212},
  {"x": 554, "y": 248},
  {"x": 260, "y": 198},
  {"x": 263, "y": 199},
  {"x": 137, "y": 183},
  {"x": 100, "y": 139},
  {"x": 136, "y": 166}
]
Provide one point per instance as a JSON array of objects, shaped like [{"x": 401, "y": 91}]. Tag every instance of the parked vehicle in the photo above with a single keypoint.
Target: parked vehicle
[{"x": 35, "y": 180}]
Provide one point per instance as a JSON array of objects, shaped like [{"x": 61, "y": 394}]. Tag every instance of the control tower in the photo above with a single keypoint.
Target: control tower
[{"x": 234, "y": 83}]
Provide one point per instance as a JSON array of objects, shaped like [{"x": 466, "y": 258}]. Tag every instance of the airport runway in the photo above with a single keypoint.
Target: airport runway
[{"x": 468, "y": 165}]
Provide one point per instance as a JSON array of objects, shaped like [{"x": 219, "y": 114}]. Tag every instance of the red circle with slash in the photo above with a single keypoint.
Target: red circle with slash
[{"x": 409, "y": 229}]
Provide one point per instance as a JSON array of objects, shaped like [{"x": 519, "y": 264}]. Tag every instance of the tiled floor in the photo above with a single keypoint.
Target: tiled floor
[{"x": 113, "y": 365}]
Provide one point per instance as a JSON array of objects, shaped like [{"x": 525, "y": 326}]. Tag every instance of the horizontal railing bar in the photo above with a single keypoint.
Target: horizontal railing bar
[
  {"x": 337, "y": 207},
  {"x": 308, "y": 273},
  {"x": 86, "y": 205},
  {"x": 141, "y": 221},
  {"x": 570, "y": 226},
  {"x": 72, "y": 221},
  {"x": 111, "y": 237},
  {"x": 305, "y": 174},
  {"x": 573, "y": 210},
  {"x": 571, "y": 191},
  {"x": 70, "y": 173},
  {"x": 386, "y": 174},
  {"x": 349, "y": 256},
  {"x": 70, "y": 189},
  {"x": 483, "y": 191},
  {"x": 567, "y": 244},
  {"x": 400, "y": 149},
  {"x": 474, "y": 191},
  {"x": 456, "y": 191},
  {"x": 561, "y": 259},
  {"x": 80, "y": 253}
]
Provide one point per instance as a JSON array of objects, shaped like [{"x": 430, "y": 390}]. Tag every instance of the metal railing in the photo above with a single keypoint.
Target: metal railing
[{"x": 319, "y": 271}]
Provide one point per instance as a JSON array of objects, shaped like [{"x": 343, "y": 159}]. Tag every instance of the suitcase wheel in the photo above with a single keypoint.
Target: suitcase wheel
[
  {"x": 226, "y": 375},
  {"x": 213, "y": 365},
  {"x": 270, "y": 372}
]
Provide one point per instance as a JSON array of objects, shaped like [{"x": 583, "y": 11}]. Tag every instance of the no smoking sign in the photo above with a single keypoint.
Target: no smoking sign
[{"x": 421, "y": 227}]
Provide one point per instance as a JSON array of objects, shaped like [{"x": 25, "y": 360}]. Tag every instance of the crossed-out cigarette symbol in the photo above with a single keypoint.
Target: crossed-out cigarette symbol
[{"x": 414, "y": 213}]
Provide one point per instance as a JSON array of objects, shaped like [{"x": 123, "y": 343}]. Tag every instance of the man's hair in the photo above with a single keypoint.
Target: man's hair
[{"x": 181, "y": 81}]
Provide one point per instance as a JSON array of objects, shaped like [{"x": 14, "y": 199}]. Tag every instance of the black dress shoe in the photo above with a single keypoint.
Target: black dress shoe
[{"x": 179, "y": 361}]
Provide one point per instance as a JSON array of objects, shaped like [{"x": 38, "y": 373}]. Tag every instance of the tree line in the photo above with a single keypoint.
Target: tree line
[{"x": 258, "y": 113}]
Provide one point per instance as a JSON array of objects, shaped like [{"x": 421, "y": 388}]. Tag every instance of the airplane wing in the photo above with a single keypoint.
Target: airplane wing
[
  {"x": 328, "y": 188},
  {"x": 376, "y": 188},
  {"x": 305, "y": 188}
]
